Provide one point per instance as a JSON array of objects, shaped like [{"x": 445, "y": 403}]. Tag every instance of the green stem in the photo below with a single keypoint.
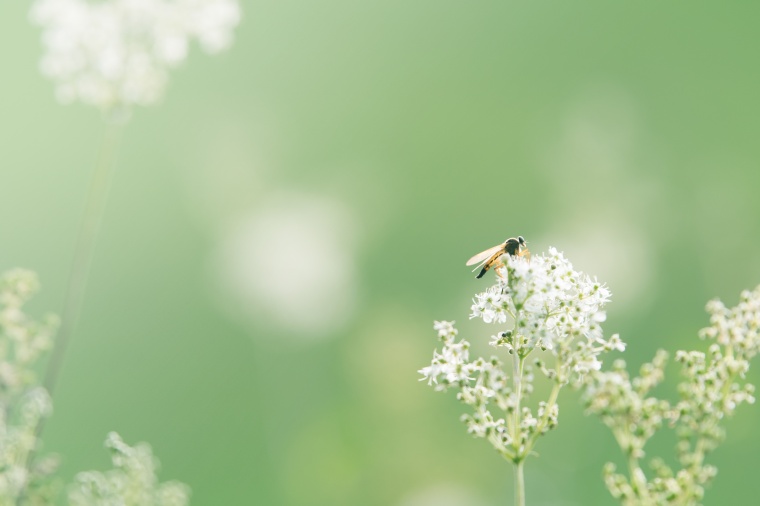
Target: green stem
[
  {"x": 517, "y": 382},
  {"x": 519, "y": 459},
  {"x": 88, "y": 231},
  {"x": 729, "y": 353},
  {"x": 519, "y": 483},
  {"x": 83, "y": 253},
  {"x": 544, "y": 419},
  {"x": 638, "y": 480}
]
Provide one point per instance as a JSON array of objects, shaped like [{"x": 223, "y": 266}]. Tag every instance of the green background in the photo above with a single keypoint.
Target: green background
[{"x": 405, "y": 137}]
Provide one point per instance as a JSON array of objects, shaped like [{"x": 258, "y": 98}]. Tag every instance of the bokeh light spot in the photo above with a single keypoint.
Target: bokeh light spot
[{"x": 289, "y": 265}]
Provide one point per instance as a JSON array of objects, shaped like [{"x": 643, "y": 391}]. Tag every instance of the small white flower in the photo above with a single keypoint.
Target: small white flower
[
  {"x": 590, "y": 364},
  {"x": 450, "y": 366},
  {"x": 445, "y": 329}
]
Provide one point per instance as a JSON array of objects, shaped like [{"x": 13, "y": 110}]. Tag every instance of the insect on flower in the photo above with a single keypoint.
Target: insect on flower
[{"x": 492, "y": 257}]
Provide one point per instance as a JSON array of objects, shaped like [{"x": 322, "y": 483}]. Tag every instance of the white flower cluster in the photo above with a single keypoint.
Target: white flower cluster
[
  {"x": 452, "y": 365},
  {"x": 546, "y": 305},
  {"x": 117, "y": 53},
  {"x": 622, "y": 402},
  {"x": 712, "y": 388},
  {"x": 552, "y": 306},
  {"x": 23, "y": 404},
  {"x": 480, "y": 382},
  {"x": 132, "y": 482}
]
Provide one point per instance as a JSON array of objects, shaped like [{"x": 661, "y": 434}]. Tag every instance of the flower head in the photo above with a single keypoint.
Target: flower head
[
  {"x": 552, "y": 306},
  {"x": 116, "y": 53},
  {"x": 545, "y": 304}
]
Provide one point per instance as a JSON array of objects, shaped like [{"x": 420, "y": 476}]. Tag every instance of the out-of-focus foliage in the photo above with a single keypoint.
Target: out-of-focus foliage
[
  {"x": 714, "y": 385},
  {"x": 26, "y": 477},
  {"x": 24, "y": 474},
  {"x": 132, "y": 481}
]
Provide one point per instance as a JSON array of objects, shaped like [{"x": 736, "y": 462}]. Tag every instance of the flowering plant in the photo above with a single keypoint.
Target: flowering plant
[
  {"x": 544, "y": 306},
  {"x": 23, "y": 403},
  {"x": 713, "y": 386},
  {"x": 113, "y": 54},
  {"x": 132, "y": 481},
  {"x": 552, "y": 310},
  {"x": 27, "y": 478}
]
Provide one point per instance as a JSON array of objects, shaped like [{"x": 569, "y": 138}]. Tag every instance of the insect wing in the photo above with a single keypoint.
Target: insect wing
[{"x": 484, "y": 255}]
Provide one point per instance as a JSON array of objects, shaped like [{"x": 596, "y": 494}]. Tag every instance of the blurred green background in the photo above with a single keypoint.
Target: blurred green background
[{"x": 282, "y": 231}]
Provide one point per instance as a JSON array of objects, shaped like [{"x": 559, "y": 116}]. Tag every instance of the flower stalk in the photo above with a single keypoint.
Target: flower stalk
[
  {"x": 97, "y": 197},
  {"x": 712, "y": 387},
  {"x": 519, "y": 483},
  {"x": 549, "y": 309}
]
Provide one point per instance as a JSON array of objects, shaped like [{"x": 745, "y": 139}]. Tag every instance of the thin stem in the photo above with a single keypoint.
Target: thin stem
[
  {"x": 729, "y": 353},
  {"x": 517, "y": 372},
  {"x": 638, "y": 480},
  {"x": 83, "y": 254},
  {"x": 519, "y": 483},
  {"x": 519, "y": 460},
  {"x": 88, "y": 231},
  {"x": 544, "y": 419}
]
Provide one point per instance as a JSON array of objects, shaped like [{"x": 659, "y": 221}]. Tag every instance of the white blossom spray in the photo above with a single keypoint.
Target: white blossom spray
[{"x": 546, "y": 308}]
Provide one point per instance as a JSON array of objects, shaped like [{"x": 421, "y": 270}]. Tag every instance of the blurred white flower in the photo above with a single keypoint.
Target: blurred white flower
[
  {"x": 443, "y": 495},
  {"x": 132, "y": 480},
  {"x": 24, "y": 476},
  {"x": 291, "y": 264},
  {"x": 117, "y": 53}
]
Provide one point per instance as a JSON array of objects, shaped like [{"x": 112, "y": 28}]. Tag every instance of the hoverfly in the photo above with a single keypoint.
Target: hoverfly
[{"x": 492, "y": 256}]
